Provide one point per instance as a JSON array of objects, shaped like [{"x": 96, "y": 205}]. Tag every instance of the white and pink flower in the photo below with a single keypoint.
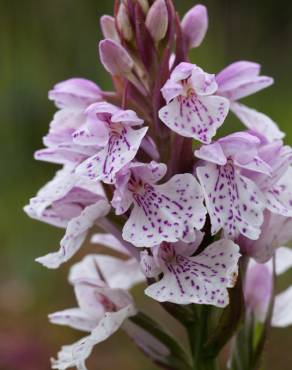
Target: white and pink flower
[
  {"x": 167, "y": 212},
  {"x": 192, "y": 108}
]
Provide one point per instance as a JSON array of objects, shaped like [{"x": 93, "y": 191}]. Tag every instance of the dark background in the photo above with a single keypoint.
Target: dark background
[{"x": 46, "y": 41}]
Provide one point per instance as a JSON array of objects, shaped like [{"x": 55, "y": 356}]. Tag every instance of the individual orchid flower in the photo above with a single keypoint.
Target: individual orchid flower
[
  {"x": 192, "y": 110},
  {"x": 72, "y": 97},
  {"x": 167, "y": 212},
  {"x": 101, "y": 311},
  {"x": 277, "y": 186},
  {"x": 241, "y": 79},
  {"x": 110, "y": 128},
  {"x": 259, "y": 285},
  {"x": 276, "y": 231},
  {"x": 201, "y": 279},
  {"x": 234, "y": 202},
  {"x": 72, "y": 204}
]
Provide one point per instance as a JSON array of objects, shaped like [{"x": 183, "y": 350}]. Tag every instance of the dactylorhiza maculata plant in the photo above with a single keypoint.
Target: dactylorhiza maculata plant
[{"x": 201, "y": 220}]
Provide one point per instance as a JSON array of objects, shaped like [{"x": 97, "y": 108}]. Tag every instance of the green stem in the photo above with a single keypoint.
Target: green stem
[{"x": 197, "y": 334}]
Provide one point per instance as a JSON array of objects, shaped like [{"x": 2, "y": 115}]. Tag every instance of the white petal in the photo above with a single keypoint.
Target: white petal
[
  {"x": 282, "y": 315},
  {"x": 75, "y": 234},
  {"x": 234, "y": 202},
  {"x": 75, "y": 318},
  {"x": 257, "y": 121},
  {"x": 197, "y": 117},
  {"x": 148, "y": 265},
  {"x": 121, "y": 149},
  {"x": 202, "y": 279},
  {"x": 166, "y": 212},
  {"x": 283, "y": 260},
  {"x": 119, "y": 273},
  {"x": 77, "y": 353}
]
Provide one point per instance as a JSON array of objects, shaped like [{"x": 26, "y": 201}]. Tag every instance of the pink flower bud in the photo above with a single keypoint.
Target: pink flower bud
[
  {"x": 115, "y": 58},
  {"x": 124, "y": 22},
  {"x": 108, "y": 28},
  {"x": 194, "y": 25},
  {"x": 157, "y": 20}
]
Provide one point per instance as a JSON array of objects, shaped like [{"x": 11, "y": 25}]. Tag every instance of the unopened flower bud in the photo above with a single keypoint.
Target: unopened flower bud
[
  {"x": 108, "y": 27},
  {"x": 115, "y": 58},
  {"x": 194, "y": 25},
  {"x": 124, "y": 22},
  {"x": 144, "y": 5},
  {"x": 157, "y": 20}
]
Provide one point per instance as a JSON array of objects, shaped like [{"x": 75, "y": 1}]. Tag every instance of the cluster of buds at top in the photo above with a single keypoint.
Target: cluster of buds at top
[{"x": 184, "y": 208}]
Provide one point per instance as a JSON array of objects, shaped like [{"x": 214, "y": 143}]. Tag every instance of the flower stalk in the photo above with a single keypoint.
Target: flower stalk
[{"x": 199, "y": 218}]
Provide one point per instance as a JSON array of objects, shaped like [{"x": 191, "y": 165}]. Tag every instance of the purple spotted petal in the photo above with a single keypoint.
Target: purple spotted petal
[
  {"x": 279, "y": 197},
  {"x": 148, "y": 265},
  {"x": 166, "y": 212},
  {"x": 197, "y": 117},
  {"x": 75, "y": 234},
  {"x": 234, "y": 202},
  {"x": 120, "y": 150},
  {"x": 202, "y": 279},
  {"x": 257, "y": 121}
]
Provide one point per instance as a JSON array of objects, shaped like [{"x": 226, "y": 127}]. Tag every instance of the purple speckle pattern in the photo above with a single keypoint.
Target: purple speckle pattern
[
  {"x": 194, "y": 116},
  {"x": 166, "y": 212},
  {"x": 234, "y": 202},
  {"x": 122, "y": 146},
  {"x": 202, "y": 279}
]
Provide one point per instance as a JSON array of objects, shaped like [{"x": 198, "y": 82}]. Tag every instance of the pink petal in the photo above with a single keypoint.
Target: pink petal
[
  {"x": 166, "y": 212},
  {"x": 258, "y": 289},
  {"x": 197, "y": 117},
  {"x": 211, "y": 153},
  {"x": 121, "y": 149},
  {"x": 75, "y": 318},
  {"x": 128, "y": 117},
  {"x": 202, "y": 279},
  {"x": 255, "y": 165},
  {"x": 75, "y": 234},
  {"x": 171, "y": 90},
  {"x": 257, "y": 121},
  {"x": 203, "y": 83},
  {"x": 233, "y": 75},
  {"x": 234, "y": 202},
  {"x": 195, "y": 25},
  {"x": 75, "y": 92},
  {"x": 248, "y": 87}
]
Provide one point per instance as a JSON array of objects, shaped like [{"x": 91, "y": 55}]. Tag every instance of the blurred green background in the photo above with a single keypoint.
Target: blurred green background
[{"x": 43, "y": 42}]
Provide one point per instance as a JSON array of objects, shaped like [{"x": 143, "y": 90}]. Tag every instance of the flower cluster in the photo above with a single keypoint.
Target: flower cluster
[{"x": 182, "y": 208}]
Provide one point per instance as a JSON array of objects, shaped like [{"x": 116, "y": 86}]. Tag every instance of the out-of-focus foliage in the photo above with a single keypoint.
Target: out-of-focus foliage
[{"x": 43, "y": 42}]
